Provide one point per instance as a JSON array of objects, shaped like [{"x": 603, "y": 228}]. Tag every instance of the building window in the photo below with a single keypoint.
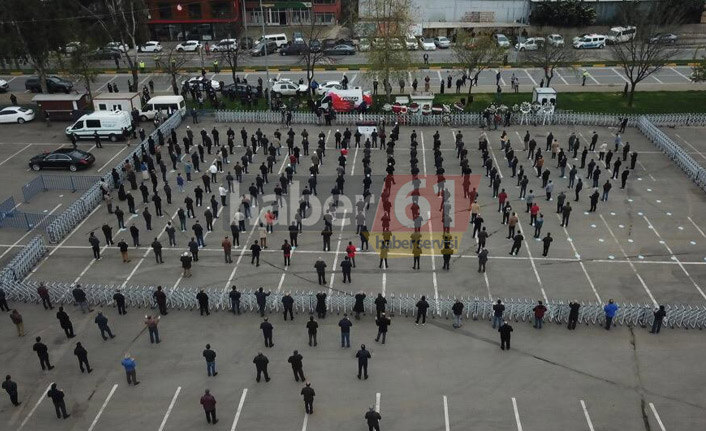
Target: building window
[
  {"x": 324, "y": 1},
  {"x": 325, "y": 18},
  {"x": 221, "y": 10},
  {"x": 165, "y": 10},
  {"x": 301, "y": 16},
  {"x": 194, "y": 11}
]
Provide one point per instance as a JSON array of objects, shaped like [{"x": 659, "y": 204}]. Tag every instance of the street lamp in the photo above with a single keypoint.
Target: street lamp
[{"x": 264, "y": 41}]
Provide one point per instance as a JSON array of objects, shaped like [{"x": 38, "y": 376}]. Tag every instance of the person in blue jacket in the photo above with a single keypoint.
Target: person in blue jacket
[{"x": 610, "y": 309}]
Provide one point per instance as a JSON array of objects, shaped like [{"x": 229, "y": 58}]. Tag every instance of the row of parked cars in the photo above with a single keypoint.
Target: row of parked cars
[{"x": 586, "y": 41}]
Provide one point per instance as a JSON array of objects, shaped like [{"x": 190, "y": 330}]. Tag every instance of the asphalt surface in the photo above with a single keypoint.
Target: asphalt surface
[{"x": 645, "y": 245}]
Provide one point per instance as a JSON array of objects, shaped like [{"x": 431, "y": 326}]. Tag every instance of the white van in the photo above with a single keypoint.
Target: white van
[
  {"x": 621, "y": 34},
  {"x": 166, "y": 104},
  {"x": 280, "y": 39},
  {"x": 108, "y": 124},
  {"x": 590, "y": 41}
]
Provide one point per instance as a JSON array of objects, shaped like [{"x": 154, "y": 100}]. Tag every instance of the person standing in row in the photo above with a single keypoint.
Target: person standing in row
[
  {"x": 659, "y": 316},
  {"x": 129, "y": 364},
  {"x": 308, "y": 394},
  {"x": 16, "y": 318},
  {"x": 57, "y": 397},
  {"x": 119, "y": 299},
  {"x": 422, "y": 307},
  {"x": 202, "y": 298},
  {"x": 574, "y": 307},
  {"x": 11, "y": 389},
  {"x": 209, "y": 406},
  {"x": 498, "y": 310},
  {"x": 312, "y": 327},
  {"x": 261, "y": 362},
  {"x": 65, "y": 323},
  {"x": 382, "y": 323},
  {"x": 363, "y": 356},
  {"x": 297, "y": 366},
  {"x": 610, "y": 309},
  {"x": 210, "y": 357},
  {"x": 152, "y": 328},
  {"x": 505, "y": 331},
  {"x": 42, "y": 353},
  {"x": 267, "y": 329},
  {"x": 373, "y": 418},
  {"x": 82, "y": 355},
  {"x": 102, "y": 323},
  {"x": 44, "y": 296},
  {"x": 345, "y": 325}
]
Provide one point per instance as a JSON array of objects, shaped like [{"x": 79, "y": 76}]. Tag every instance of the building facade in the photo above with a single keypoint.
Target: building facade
[{"x": 221, "y": 19}]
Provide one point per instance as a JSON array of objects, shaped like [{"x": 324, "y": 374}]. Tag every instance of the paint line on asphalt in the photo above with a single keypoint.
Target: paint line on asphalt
[
  {"x": 578, "y": 257},
  {"x": 697, "y": 227},
  {"x": 384, "y": 283},
  {"x": 29, "y": 231},
  {"x": 240, "y": 258},
  {"x": 36, "y": 405},
  {"x": 424, "y": 153},
  {"x": 335, "y": 258},
  {"x": 619, "y": 74},
  {"x": 105, "y": 404},
  {"x": 355, "y": 156},
  {"x": 556, "y": 72},
  {"x": 534, "y": 266},
  {"x": 169, "y": 409},
  {"x": 306, "y": 421},
  {"x": 659, "y": 420},
  {"x": 112, "y": 158},
  {"x": 492, "y": 154},
  {"x": 377, "y": 402},
  {"x": 680, "y": 74},
  {"x": 530, "y": 77},
  {"x": 588, "y": 418},
  {"x": 487, "y": 285},
  {"x": 14, "y": 154},
  {"x": 109, "y": 81},
  {"x": 691, "y": 146},
  {"x": 517, "y": 414},
  {"x": 446, "y": 414},
  {"x": 239, "y": 410}
]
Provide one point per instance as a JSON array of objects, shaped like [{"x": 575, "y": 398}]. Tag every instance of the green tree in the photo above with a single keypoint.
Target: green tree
[
  {"x": 571, "y": 13},
  {"x": 476, "y": 54},
  {"x": 388, "y": 57},
  {"x": 698, "y": 72}
]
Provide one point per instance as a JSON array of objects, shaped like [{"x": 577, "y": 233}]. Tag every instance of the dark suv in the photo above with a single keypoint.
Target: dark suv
[
  {"x": 293, "y": 49},
  {"x": 54, "y": 85}
]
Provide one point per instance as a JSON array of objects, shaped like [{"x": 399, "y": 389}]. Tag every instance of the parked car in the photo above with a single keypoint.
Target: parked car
[
  {"x": 501, "y": 40},
  {"x": 4, "y": 86},
  {"x": 666, "y": 38},
  {"x": 329, "y": 85},
  {"x": 555, "y": 40},
  {"x": 198, "y": 82},
  {"x": 105, "y": 54},
  {"x": 286, "y": 87},
  {"x": 529, "y": 44},
  {"x": 427, "y": 44},
  {"x": 340, "y": 50},
  {"x": 328, "y": 43},
  {"x": 151, "y": 46},
  {"x": 63, "y": 158},
  {"x": 237, "y": 90},
  {"x": 442, "y": 42},
  {"x": 590, "y": 41},
  {"x": 264, "y": 49},
  {"x": 225, "y": 45},
  {"x": 411, "y": 43},
  {"x": 294, "y": 49},
  {"x": 297, "y": 37},
  {"x": 620, "y": 34},
  {"x": 54, "y": 85},
  {"x": 72, "y": 47},
  {"x": 122, "y": 47},
  {"x": 16, "y": 114},
  {"x": 315, "y": 45},
  {"x": 189, "y": 46},
  {"x": 364, "y": 45},
  {"x": 246, "y": 43}
]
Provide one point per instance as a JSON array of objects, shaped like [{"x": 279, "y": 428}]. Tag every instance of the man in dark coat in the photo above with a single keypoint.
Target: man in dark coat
[
  {"x": 505, "y": 330},
  {"x": 209, "y": 407},
  {"x": 11, "y": 389},
  {"x": 267, "y": 329},
  {"x": 321, "y": 305},
  {"x": 573, "y": 314},
  {"x": 372, "y": 417},
  {"x": 261, "y": 362},
  {"x": 202, "y": 297},
  {"x": 308, "y": 394},
  {"x": 65, "y": 323},
  {"x": 422, "y": 307},
  {"x": 288, "y": 304},
  {"x": 57, "y": 397},
  {"x": 359, "y": 306},
  {"x": 82, "y": 356},
  {"x": 297, "y": 366},
  {"x": 363, "y": 356},
  {"x": 261, "y": 298},
  {"x": 42, "y": 353},
  {"x": 382, "y": 323}
]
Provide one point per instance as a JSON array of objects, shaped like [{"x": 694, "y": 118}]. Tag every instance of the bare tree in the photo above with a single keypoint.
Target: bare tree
[
  {"x": 698, "y": 72},
  {"x": 476, "y": 54},
  {"x": 80, "y": 66},
  {"x": 548, "y": 57},
  {"x": 311, "y": 32},
  {"x": 123, "y": 21},
  {"x": 171, "y": 62},
  {"x": 647, "y": 52},
  {"x": 388, "y": 57},
  {"x": 232, "y": 56}
]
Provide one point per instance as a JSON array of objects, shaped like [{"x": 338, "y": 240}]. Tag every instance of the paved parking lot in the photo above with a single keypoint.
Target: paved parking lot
[
  {"x": 691, "y": 140},
  {"x": 646, "y": 244}
]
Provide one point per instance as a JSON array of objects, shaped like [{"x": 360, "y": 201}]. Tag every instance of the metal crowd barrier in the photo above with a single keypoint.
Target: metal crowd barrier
[
  {"x": 517, "y": 310},
  {"x": 42, "y": 183},
  {"x": 23, "y": 262},
  {"x": 88, "y": 201}
]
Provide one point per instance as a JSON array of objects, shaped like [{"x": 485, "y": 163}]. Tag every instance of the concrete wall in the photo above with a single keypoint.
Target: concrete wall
[{"x": 505, "y": 11}]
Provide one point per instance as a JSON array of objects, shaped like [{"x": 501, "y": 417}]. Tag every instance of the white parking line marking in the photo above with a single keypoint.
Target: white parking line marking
[
  {"x": 31, "y": 412},
  {"x": 424, "y": 153},
  {"x": 112, "y": 158},
  {"x": 588, "y": 418},
  {"x": 384, "y": 283},
  {"x": 28, "y": 232},
  {"x": 109, "y": 81},
  {"x": 377, "y": 402},
  {"x": 338, "y": 251},
  {"x": 240, "y": 409},
  {"x": 690, "y": 146},
  {"x": 656, "y": 79},
  {"x": 619, "y": 74},
  {"x": 169, "y": 410},
  {"x": 583, "y": 267},
  {"x": 517, "y": 414},
  {"x": 659, "y": 420},
  {"x": 680, "y": 74},
  {"x": 530, "y": 77},
  {"x": 697, "y": 227},
  {"x": 446, "y": 414},
  {"x": 306, "y": 420},
  {"x": 14, "y": 154},
  {"x": 105, "y": 404},
  {"x": 556, "y": 72}
]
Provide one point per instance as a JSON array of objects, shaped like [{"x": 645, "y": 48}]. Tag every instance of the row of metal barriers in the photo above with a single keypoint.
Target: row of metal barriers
[{"x": 338, "y": 303}]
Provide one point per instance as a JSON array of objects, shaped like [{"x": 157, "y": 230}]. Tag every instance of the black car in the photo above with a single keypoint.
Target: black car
[
  {"x": 63, "y": 158},
  {"x": 237, "y": 90},
  {"x": 246, "y": 42},
  {"x": 105, "y": 54},
  {"x": 54, "y": 85},
  {"x": 293, "y": 49},
  {"x": 315, "y": 45}
]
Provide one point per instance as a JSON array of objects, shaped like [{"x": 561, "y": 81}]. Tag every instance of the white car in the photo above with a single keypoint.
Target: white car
[
  {"x": 189, "y": 46},
  {"x": 197, "y": 82},
  {"x": 555, "y": 40},
  {"x": 330, "y": 85},
  {"x": 442, "y": 42},
  {"x": 4, "y": 86},
  {"x": 427, "y": 44},
  {"x": 529, "y": 44},
  {"x": 151, "y": 46},
  {"x": 225, "y": 45},
  {"x": 122, "y": 47},
  {"x": 288, "y": 88},
  {"x": 16, "y": 114},
  {"x": 72, "y": 47},
  {"x": 502, "y": 40}
]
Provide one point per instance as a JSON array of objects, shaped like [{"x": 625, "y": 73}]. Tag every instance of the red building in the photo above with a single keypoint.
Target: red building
[{"x": 220, "y": 19}]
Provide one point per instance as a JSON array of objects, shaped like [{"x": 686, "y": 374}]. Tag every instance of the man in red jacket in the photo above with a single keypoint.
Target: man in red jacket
[{"x": 209, "y": 406}]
